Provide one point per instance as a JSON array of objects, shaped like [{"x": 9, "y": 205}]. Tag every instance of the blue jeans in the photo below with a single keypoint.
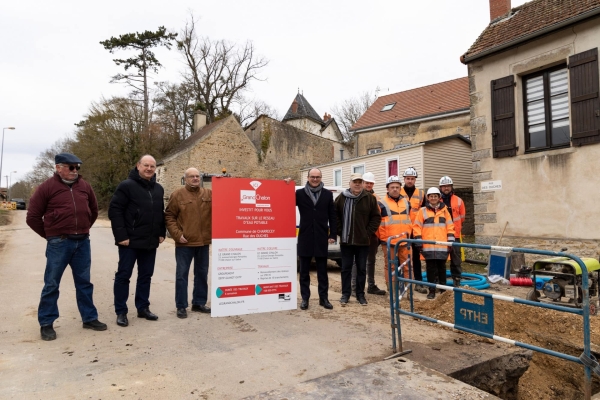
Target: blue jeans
[
  {"x": 183, "y": 257},
  {"x": 145, "y": 261},
  {"x": 59, "y": 254},
  {"x": 354, "y": 255}
]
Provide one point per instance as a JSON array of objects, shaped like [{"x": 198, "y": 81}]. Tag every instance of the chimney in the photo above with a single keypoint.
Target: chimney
[
  {"x": 199, "y": 120},
  {"x": 498, "y": 8},
  {"x": 295, "y": 107},
  {"x": 326, "y": 117}
]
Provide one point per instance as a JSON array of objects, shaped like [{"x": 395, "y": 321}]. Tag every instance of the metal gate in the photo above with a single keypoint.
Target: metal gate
[{"x": 479, "y": 319}]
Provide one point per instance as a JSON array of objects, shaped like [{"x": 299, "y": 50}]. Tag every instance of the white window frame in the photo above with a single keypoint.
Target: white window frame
[
  {"x": 374, "y": 150},
  {"x": 353, "y": 168},
  {"x": 341, "y": 177},
  {"x": 387, "y": 160},
  {"x": 388, "y": 107}
]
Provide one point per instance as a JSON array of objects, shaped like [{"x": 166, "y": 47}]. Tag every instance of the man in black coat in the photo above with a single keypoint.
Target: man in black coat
[
  {"x": 317, "y": 230},
  {"x": 138, "y": 224}
]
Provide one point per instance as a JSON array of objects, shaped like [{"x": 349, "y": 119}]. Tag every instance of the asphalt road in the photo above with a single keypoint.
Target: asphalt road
[{"x": 199, "y": 357}]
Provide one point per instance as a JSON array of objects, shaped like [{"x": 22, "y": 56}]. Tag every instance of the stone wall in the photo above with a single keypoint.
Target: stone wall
[
  {"x": 283, "y": 150},
  {"x": 387, "y": 139},
  {"x": 225, "y": 147}
]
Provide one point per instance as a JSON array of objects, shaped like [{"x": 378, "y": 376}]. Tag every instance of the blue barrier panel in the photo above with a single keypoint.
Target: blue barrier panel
[
  {"x": 474, "y": 316},
  {"x": 478, "y": 319}
]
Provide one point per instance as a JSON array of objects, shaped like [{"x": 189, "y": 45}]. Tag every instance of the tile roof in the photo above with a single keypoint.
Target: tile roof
[
  {"x": 194, "y": 137},
  {"x": 439, "y": 98},
  {"x": 528, "y": 20},
  {"x": 304, "y": 110}
]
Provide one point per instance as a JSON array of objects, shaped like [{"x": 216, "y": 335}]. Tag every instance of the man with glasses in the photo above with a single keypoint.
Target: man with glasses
[
  {"x": 189, "y": 221},
  {"x": 358, "y": 218},
  {"x": 62, "y": 210},
  {"x": 137, "y": 219},
  {"x": 317, "y": 230}
]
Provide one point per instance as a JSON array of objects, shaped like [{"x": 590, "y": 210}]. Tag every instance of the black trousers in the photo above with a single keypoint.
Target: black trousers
[
  {"x": 322, "y": 277},
  {"x": 455, "y": 261},
  {"x": 436, "y": 272},
  {"x": 416, "y": 262},
  {"x": 354, "y": 255}
]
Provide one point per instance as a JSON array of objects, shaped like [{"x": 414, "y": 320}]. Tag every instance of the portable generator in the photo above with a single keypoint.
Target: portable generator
[{"x": 565, "y": 286}]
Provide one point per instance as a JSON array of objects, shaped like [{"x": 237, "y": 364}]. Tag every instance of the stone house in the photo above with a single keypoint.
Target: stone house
[
  {"x": 535, "y": 125},
  {"x": 414, "y": 116},
  {"x": 266, "y": 149},
  {"x": 450, "y": 155}
]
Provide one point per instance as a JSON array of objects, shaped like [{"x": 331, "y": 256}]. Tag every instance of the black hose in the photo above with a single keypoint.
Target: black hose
[{"x": 471, "y": 261}]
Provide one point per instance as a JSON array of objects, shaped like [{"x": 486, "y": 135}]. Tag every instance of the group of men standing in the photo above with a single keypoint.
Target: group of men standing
[
  {"x": 63, "y": 209},
  {"x": 364, "y": 221}
]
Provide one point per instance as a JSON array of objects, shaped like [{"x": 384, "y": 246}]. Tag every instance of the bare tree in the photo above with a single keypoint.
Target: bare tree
[
  {"x": 253, "y": 109},
  {"x": 218, "y": 71},
  {"x": 350, "y": 110},
  {"x": 44, "y": 166},
  {"x": 174, "y": 108}
]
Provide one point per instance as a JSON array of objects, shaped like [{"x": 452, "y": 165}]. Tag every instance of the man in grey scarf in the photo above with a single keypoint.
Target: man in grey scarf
[
  {"x": 358, "y": 217},
  {"x": 317, "y": 229}
]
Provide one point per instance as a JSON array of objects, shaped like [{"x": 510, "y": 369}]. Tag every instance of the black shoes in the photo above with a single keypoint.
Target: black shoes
[
  {"x": 48, "y": 332},
  {"x": 344, "y": 300},
  {"x": 304, "y": 304},
  {"x": 181, "y": 313},
  {"x": 456, "y": 282},
  {"x": 421, "y": 289},
  {"x": 203, "y": 309},
  {"x": 146, "y": 313},
  {"x": 362, "y": 300},
  {"x": 122, "y": 320},
  {"x": 431, "y": 294},
  {"x": 95, "y": 325},
  {"x": 373, "y": 289},
  {"x": 325, "y": 304}
]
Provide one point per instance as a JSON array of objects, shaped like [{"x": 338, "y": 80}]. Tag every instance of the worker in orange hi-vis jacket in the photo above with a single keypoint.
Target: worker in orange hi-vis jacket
[
  {"x": 456, "y": 206},
  {"x": 433, "y": 222},
  {"x": 395, "y": 220}
]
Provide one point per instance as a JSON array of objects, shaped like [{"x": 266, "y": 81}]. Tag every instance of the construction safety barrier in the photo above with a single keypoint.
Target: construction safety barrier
[{"x": 478, "y": 319}]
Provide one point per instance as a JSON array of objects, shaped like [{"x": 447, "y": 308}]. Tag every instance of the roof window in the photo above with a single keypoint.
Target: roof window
[{"x": 388, "y": 107}]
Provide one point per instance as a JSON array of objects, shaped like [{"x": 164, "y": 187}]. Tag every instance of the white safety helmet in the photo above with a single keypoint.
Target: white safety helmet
[
  {"x": 369, "y": 177},
  {"x": 434, "y": 190},
  {"x": 393, "y": 179},
  {"x": 446, "y": 180},
  {"x": 410, "y": 171}
]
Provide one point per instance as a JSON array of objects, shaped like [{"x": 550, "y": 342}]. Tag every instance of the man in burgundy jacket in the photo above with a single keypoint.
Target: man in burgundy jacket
[{"x": 62, "y": 210}]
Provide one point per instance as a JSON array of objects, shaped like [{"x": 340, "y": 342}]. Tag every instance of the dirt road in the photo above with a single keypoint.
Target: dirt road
[{"x": 199, "y": 357}]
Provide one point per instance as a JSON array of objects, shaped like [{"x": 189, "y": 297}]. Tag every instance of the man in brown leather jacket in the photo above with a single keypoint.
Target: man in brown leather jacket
[{"x": 189, "y": 221}]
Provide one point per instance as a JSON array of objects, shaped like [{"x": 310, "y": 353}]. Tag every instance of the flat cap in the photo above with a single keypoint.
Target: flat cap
[
  {"x": 66, "y": 158},
  {"x": 355, "y": 177}
]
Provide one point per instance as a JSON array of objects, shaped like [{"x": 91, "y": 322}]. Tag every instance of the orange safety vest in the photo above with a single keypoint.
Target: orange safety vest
[
  {"x": 395, "y": 218},
  {"x": 458, "y": 213},
  {"x": 435, "y": 225},
  {"x": 415, "y": 201}
]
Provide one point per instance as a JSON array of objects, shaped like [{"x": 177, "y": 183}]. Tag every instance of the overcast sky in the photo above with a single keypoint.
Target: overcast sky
[{"x": 52, "y": 65}]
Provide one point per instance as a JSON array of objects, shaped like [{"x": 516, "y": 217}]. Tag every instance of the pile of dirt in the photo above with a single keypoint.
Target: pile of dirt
[
  {"x": 548, "y": 377},
  {"x": 4, "y": 217}
]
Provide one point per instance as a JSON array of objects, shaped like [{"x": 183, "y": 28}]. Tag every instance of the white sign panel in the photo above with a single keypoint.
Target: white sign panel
[{"x": 491, "y": 185}]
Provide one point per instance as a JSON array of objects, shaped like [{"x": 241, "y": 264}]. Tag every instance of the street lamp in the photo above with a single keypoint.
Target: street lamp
[
  {"x": 10, "y": 183},
  {"x": 2, "y": 150}
]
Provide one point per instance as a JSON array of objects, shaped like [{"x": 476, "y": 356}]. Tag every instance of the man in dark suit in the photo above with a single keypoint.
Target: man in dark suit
[{"x": 317, "y": 230}]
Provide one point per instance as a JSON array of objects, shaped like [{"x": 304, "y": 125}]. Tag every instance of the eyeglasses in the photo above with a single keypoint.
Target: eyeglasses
[
  {"x": 72, "y": 167},
  {"x": 314, "y": 177}
]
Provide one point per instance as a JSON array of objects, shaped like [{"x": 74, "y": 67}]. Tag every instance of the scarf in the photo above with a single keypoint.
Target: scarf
[
  {"x": 313, "y": 192},
  {"x": 409, "y": 190},
  {"x": 348, "y": 208}
]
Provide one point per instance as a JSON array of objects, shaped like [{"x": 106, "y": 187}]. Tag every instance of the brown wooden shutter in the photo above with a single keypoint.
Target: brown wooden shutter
[
  {"x": 585, "y": 103},
  {"x": 504, "y": 139}
]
